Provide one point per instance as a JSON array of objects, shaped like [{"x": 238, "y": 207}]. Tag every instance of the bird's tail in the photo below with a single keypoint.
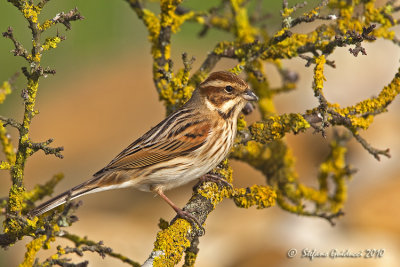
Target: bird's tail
[
  {"x": 73, "y": 193},
  {"x": 100, "y": 182}
]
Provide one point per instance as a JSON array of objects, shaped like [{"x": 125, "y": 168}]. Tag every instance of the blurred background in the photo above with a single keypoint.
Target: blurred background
[{"x": 102, "y": 98}]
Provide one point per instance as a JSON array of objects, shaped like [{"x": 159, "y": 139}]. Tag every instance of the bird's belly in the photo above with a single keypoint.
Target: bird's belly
[{"x": 168, "y": 176}]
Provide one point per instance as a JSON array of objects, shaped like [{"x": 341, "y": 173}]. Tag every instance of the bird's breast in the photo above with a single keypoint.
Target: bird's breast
[{"x": 219, "y": 143}]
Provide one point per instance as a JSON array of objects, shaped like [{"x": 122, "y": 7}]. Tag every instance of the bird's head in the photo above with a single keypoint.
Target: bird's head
[{"x": 225, "y": 93}]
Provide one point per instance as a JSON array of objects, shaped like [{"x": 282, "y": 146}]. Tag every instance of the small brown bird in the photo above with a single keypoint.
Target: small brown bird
[{"x": 184, "y": 146}]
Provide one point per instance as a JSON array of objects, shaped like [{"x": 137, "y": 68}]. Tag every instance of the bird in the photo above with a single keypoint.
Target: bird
[{"x": 185, "y": 146}]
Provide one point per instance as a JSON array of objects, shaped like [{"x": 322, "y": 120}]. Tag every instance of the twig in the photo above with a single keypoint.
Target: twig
[
  {"x": 280, "y": 38},
  {"x": 312, "y": 16},
  {"x": 67, "y": 18},
  {"x": 311, "y": 60},
  {"x": 187, "y": 62},
  {"x": 352, "y": 38},
  {"x": 19, "y": 48},
  {"x": 84, "y": 244},
  {"x": 329, "y": 217},
  {"x": 46, "y": 149},
  {"x": 42, "y": 3},
  {"x": 374, "y": 151},
  {"x": 12, "y": 122}
]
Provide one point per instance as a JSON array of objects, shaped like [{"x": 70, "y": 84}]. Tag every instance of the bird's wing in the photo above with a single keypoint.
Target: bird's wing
[{"x": 169, "y": 139}]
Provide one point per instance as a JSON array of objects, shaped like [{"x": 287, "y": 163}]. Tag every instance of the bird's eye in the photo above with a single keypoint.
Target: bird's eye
[{"x": 229, "y": 89}]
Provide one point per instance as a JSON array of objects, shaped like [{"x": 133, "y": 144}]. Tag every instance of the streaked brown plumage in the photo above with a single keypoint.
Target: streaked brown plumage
[{"x": 184, "y": 146}]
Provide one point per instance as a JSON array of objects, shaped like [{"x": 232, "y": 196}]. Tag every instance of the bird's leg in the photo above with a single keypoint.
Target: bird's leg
[
  {"x": 181, "y": 213},
  {"x": 211, "y": 177}
]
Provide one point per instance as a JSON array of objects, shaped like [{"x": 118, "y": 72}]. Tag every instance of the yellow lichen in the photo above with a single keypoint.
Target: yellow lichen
[
  {"x": 211, "y": 191},
  {"x": 241, "y": 123},
  {"x": 16, "y": 198},
  {"x": 31, "y": 249},
  {"x": 47, "y": 24},
  {"x": 172, "y": 241},
  {"x": 220, "y": 22},
  {"x": 5, "y": 89},
  {"x": 319, "y": 77},
  {"x": 275, "y": 127},
  {"x": 267, "y": 151},
  {"x": 35, "y": 58},
  {"x": 335, "y": 167},
  {"x": 357, "y": 113},
  {"x": 286, "y": 12},
  {"x": 379, "y": 15},
  {"x": 309, "y": 193},
  {"x": 30, "y": 11},
  {"x": 190, "y": 259},
  {"x": 244, "y": 31},
  {"x": 4, "y": 165},
  {"x": 256, "y": 195},
  {"x": 8, "y": 148},
  {"x": 51, "y": 43},
  {"x": 238, "y": 68},
  {"x": 152, "y": 23}
]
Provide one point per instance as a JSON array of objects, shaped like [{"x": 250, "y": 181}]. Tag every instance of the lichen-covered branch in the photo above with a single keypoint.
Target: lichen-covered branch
[
  {"x": 173, "y": 241},
  {"x": 5, "y": 138},
  {"x": 25, "y": 146},
  {"x": 16, "y": 225},
  {"x": 171, "y": 88},
  {"x": 262, "y": 144},
  {"x": 83, "y": 244}
]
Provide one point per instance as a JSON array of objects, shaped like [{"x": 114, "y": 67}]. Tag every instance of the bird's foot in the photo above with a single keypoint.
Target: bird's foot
[
  {"x": 215, "y": 178},
  {"x": 190, "y": 218}
]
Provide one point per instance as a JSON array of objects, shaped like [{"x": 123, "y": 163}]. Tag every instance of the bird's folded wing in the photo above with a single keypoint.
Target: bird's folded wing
[{"x": 146, "y": 154}]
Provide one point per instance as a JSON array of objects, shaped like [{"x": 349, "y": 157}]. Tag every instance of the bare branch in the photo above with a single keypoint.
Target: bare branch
[
  {"x": 374, "y": 151},
  {"x": 84, "y": 244},
  {"x": 67, "y": 18},
  {"x": 48, "y": 150},
  {"x": 12, "y": 122},
  {"x": 19, "y": 48}
]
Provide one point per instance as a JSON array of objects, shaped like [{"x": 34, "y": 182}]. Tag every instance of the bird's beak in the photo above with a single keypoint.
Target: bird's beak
[{"x": 250, "y": 95}]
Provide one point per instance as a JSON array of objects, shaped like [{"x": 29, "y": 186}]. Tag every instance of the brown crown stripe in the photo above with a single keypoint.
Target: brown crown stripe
[{"x": 225, "y": 76}]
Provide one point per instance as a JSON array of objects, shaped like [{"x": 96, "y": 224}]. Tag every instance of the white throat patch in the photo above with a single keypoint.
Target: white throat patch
[
  {"x": 210, "y": 106},
  {"x": 228, "y": 105}
]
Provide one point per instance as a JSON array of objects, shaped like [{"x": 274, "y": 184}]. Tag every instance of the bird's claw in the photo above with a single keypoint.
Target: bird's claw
[
  {"x": 191, "y": 219},
  {"x": 215, "y": 178}
]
